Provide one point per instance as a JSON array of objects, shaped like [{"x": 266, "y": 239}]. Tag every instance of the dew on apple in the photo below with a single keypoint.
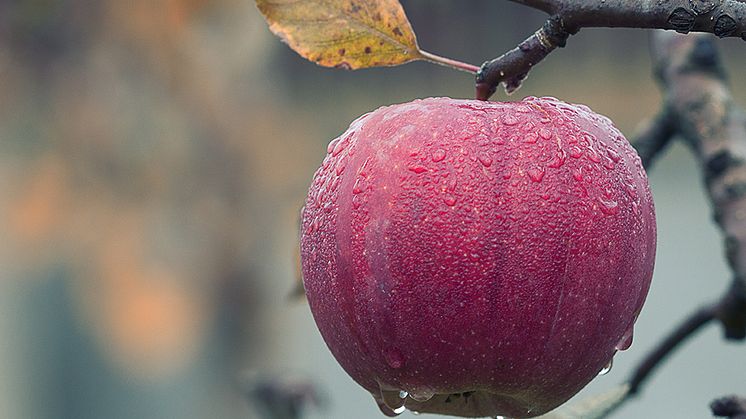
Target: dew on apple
[
  {"x": 460, "y": 258},
  {"x": 393, "y": 400},
  {"x": 422, "y": 395},
  {"x": 626, "y": 341},
  {"x": 607, "y": 368}
]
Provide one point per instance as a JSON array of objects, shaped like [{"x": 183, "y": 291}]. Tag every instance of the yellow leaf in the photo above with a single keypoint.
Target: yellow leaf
[{"x": 349, "y": 34}]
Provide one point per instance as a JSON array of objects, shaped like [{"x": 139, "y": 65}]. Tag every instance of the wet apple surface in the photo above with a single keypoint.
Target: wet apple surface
[{"x": 478, "y": 258}]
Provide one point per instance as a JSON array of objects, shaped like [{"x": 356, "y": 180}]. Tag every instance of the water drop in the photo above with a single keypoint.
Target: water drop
[
  {"x": 626, "y": 341},
  {"x": 340, "y": 168},
  {"x": 545, "y": 196},
  {"x": 418, "y": 169},
  {"x": 577, "y": 174},
  {"x": 629, "y": 188},
  {"x": 340, "y": 146},
  {"x": 558, "y": 160},
  {"x": 314, "y": 226},
  {"x": 485, "y": 160},
  {"x": 403, "y": 394},
  {"x": 392, "y": 400},
  {"x": 613, "y": 155},
  {"x": 545, "y": 133},
  {"x": 333, "y": 143},
  {"x": 358, "y": 187},
  {"x": 593, "y": 156},
  {"x": 439, "y": 155},
  {"x": 364, "y": 168},
  {"x": 536, "y": 174},
  {"x": 609, "y": 164},
  {"x": 422, "y": 395},
  {"x": 356, "y": 201},
  {"x": 575, "y": 152},
  {"x": 509, "y": 119},
  {"x": 450, "y": 200},
  {"x": 608, "y": 206},
  {"x": 605, "y": 370},
  {"x": 394, "y": 358},
  {"x": 531, "y": 138}
]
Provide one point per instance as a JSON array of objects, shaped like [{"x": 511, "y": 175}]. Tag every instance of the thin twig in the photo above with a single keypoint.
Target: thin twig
[
  {"x": 668, "y": 345},
  {"x": 724, "y": 18},
  {"x": 730, "y": 407}
]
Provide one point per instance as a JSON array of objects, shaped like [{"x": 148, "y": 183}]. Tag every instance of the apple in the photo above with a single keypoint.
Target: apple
[{"x": 478, "y": 258}]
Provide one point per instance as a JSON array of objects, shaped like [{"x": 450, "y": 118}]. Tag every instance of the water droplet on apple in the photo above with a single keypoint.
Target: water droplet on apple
[
  {"x": 358, "y": 187},
  {"x": 613, "y": 155},
  {"x": 536, "y": 174},
  {"x": 418, "y": 169},
  {"x": 392, "y": 400},
  {"x": 558, "y": 160},
  {"x": 605, "y": 370},
  {"x": 339, "y": 146},
  {"x": 450, "y": 200},
  {"x": 485, "y": 160},
  {"x": 422, "y": 395},
  {"x": 333, "y": 143},
  {"x": 608, "y": 206},
  {"x": 509, "y": 119},
  {"x": 545, "y": 133},
  {"x": 593, "y": 156},
  {"x": 439, "y": 155},
  {"x": 403, "y": 394},
  {"x": 626, "y": 341},
  {"x": 577, "y": 174},
  {"x": 575, "y": 152}
]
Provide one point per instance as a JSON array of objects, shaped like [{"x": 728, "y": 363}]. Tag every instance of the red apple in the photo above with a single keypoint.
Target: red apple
[{"x": 478, "y": 258}]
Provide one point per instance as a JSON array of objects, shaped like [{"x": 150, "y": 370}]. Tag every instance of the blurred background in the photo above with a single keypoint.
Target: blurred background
[{"x": 154, "y": 155}]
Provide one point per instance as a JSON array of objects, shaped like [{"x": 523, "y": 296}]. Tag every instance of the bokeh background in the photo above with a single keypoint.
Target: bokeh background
[{"x": 154, "y": 155}]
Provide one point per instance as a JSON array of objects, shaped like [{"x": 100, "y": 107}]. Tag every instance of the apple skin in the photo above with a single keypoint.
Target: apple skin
[{"x": 485, "y": 258}]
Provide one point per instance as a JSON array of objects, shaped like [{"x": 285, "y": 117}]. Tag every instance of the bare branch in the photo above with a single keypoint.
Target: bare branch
[
  {"x": 724, "y": 18},
  {"x": 698, "y": 97},
  {"x": 698, "y": 108},
  {"x": 513, "y": 66},
  {"x": 653, "y": 137},
  {"x": 730, "y": 407},
  {"x": 686, "y": 329}
]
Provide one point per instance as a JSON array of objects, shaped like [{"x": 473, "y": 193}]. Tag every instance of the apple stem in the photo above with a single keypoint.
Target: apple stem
[{"x": 448, "y": 62}]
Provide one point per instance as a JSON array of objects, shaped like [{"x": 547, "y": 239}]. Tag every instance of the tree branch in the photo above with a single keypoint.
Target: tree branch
[
  {"x": 699, "y": 109},
  {"x": 724, "y": 18},
  {"x": 687, "y": 328},
  {"x": 653, "y": 137},
  {"x": 731, "y": 407}
]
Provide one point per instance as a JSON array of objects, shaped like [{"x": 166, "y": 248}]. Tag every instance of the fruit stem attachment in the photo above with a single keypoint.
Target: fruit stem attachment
[{"x": 448, "y": 62}]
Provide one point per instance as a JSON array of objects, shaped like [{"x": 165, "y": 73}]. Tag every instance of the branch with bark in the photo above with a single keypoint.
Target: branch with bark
[
  {"x": 724, "y": 18},
  {"x": 733, "y": 407},
  {"x": 698, "y": 108}
]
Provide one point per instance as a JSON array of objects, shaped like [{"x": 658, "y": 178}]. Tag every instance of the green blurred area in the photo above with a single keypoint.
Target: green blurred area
[{"x": 154, "y": 156}]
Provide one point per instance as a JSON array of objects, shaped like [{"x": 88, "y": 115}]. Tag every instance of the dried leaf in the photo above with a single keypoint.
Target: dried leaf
[{"x": 349, "y": 34}]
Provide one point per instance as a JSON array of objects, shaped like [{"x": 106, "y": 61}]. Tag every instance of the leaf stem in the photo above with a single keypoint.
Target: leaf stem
[{"x": 447, "y": 62}]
